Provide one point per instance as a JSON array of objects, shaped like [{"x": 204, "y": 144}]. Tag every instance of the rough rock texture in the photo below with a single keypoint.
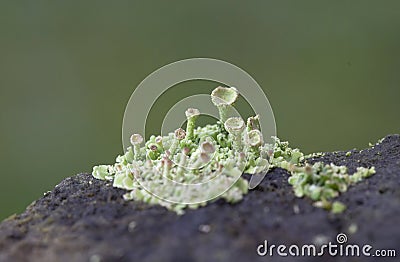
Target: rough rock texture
[{"x": 84, "y": 219}]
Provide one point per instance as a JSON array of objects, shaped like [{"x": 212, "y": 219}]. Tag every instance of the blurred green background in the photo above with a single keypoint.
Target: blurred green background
[{"x": 67, "y": 69}]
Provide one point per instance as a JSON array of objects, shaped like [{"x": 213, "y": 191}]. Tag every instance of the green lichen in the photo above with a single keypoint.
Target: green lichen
[
  {"x": 320, "y": 182},
  {"x": 223, "y": 98},
  {"x": 314, "y": 155},
  {"x": 338, "y": 207},
  {"x": 220, "y": 153},
  {"x": 324, "y": 182}
]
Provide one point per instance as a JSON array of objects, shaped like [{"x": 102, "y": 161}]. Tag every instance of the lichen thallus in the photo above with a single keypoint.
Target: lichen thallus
[{"x": 221, "y": 150}]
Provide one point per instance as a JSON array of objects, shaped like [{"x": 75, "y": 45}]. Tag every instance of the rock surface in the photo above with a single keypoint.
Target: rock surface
[{"x": 84, "y": 219}]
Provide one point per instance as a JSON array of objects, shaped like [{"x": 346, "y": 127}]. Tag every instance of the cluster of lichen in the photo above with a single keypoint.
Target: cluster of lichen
[
  {"x": 213, "y": 158},
  {"x": 320, "y": 182},
  {"x": 219, "y": 153}
]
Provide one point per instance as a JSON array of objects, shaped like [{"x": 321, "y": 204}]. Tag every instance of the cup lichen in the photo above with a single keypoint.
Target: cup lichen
[
  {"x": 235, "y": 127},
  {"x": 136, "y": 140},
  {"x": 191, "y": 114},
  {"x": 223, "y": 98},
  {"x": 220, "y": 152}
]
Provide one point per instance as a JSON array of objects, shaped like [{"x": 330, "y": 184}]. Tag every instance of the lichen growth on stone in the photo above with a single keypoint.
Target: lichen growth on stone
[
  {"x": 219, "y": 153},
  {"x": 320, "y": 182},
  {"x": 324, "y": 182}
]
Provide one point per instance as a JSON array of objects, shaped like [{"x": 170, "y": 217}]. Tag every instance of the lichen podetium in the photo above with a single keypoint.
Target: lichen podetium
[{"x": 220, "y": 152}]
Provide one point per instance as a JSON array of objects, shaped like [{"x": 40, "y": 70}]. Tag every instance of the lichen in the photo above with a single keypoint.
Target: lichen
[
  {"x": 320, "y": 182},
  {"x": 219, "y": 153}
]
